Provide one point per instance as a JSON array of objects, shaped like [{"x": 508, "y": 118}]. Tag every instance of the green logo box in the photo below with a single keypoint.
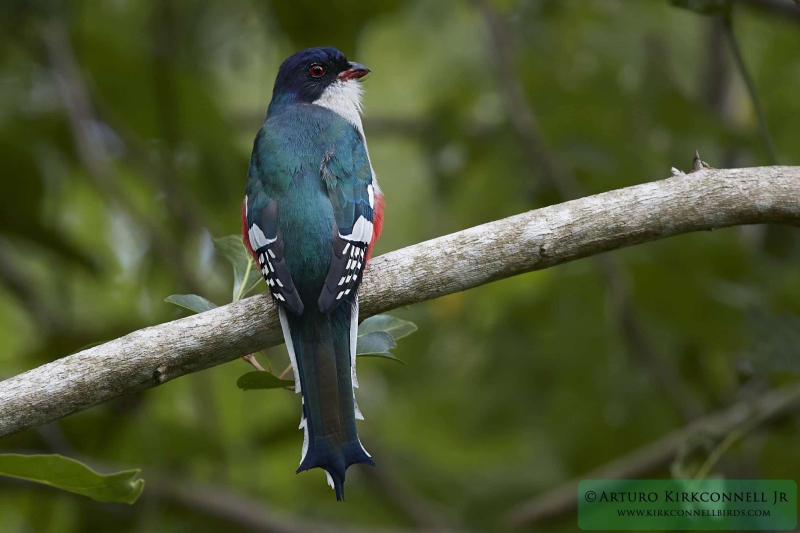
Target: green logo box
[{"x": 686, "y": 504}]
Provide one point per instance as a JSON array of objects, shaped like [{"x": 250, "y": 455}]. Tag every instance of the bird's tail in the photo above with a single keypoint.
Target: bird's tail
[{"x": 322, "y": 349}]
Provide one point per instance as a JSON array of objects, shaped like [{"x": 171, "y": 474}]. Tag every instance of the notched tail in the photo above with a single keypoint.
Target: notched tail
[
  {"x": 322, "y": 348},
  {"x": 335, "y": 463}
]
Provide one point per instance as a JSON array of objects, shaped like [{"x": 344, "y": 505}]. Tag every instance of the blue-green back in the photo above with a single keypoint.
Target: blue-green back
[{"x": 305, "y": 157}]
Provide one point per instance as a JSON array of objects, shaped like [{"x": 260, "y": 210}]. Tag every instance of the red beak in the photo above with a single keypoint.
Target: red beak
[{"x": 356, "y": 71}]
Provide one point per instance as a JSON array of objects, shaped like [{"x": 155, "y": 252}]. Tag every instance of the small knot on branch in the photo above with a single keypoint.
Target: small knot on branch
[
  {"x": 697, "y": 165},
  {"x": 159, "y": 375}
]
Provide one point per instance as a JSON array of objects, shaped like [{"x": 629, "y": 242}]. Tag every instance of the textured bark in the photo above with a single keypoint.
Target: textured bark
[{"x": 534, "y": 240}]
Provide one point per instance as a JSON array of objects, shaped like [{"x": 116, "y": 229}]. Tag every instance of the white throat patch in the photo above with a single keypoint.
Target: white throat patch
[{"x": 343, "y": 97}]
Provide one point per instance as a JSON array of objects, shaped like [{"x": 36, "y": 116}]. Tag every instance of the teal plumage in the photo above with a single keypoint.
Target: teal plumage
[{"x": 310, "y": 214}]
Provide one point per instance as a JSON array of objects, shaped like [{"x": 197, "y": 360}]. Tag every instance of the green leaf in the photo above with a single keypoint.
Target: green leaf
[
  {"x": 70, "y": 475},
  {"x": 376, "y": 344},
  {"x": 378, "y": 334},
  {"x": 705, "y": 7},
  {"x": 192, "y": 302},
  {"x": 262, "y": 380},
  {"x": 396, "y": 327},
  {"x": 245, "y": 271},
  {"x": 387, "y": 355}
]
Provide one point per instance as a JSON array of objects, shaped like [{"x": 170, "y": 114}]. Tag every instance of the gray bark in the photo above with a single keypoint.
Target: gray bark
[{"x": 535, "y": 240}]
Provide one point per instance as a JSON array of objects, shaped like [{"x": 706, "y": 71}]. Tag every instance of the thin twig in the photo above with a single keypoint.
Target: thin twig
[
  {"x": 639, "y": 462},
  {"x": 561, "y": 178},
  {"x": 251, "y": 358},
  {"x": 80, "y": 112},
  {"x": 717, "y": 453},
  {"x": 751, "y": 89},
  {"x": 26, "y": 294},
  {"x": 423, "y": 512},
  {"x": 183, "y": 204},
  {"x": 519, "y": 111},
  {"x": 639, "y": 344},
  {"x": 730, "y": 439},
  {"x": 285, "y": 371},
  {"x": 243, "y": 512},
  {"x": 254, "y": 514},
  {"x": 779, "y": 8}
]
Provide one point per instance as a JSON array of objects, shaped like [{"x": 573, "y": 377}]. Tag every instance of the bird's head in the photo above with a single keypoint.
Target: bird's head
[{"x": 314, "y": 74}]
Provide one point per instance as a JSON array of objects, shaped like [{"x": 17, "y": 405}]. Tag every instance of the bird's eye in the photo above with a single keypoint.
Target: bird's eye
[{"x": 317, "y": 70}]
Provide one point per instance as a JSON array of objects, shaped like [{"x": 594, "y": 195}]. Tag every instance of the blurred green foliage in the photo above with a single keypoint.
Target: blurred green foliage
[
  {"x": 706, "y": 7},
  {"x": 125, "y": 131}
]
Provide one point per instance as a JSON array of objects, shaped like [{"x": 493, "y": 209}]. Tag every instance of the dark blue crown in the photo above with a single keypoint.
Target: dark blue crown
[{"x": 295, "y": 84}]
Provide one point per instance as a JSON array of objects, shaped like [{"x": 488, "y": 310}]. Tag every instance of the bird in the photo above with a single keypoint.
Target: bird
[{"x": 311, "y": 215}]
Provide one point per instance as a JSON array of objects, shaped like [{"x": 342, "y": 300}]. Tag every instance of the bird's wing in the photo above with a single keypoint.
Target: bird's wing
[
  {"x": 264, "y": 235},
  {"x": 347, "y": 174}
]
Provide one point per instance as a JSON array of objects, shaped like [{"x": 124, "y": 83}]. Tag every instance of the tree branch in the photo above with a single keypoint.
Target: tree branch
[
  {"x": 252, "y": 515},
  {"x": 423, "y": 513},
  {"x": 658, "y": 453},
  {"x": 246, "y": 513},
  {"x": 781, "y": 8},
  {"x": 535, "y": 240}
]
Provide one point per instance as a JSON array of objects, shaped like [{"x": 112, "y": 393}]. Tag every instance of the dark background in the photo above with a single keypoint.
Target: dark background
[{"x": 125, "y": 133}]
